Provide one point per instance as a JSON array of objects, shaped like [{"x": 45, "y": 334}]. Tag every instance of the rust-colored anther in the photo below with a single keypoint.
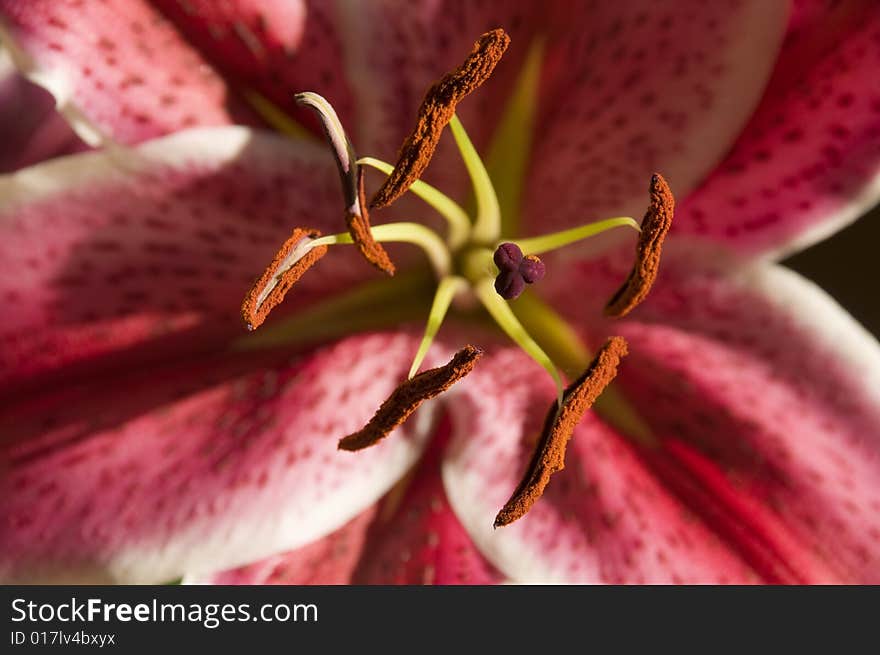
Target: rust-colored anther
[
  {"x": 358, "y": 220},
  {"x": 655, "y": 226},
  {"x": 408, "y": 396},
  {"x": 549, "y": 455},
  {"x": 435, "y": 113},
  {"x": 269, "y": 290}
]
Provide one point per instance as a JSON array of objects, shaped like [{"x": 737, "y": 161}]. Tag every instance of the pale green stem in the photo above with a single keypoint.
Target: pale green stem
[
  {"x": 446, "y": 290},
  {"x": 507, "y": 321},
  {"x": 459, "y": 223},
  {"x": 413, "y": 233},
  {"x": 548, "y": 242},
  {"x": 487, "y": 225},
  {"x": 564, "y": 345},
  {"x": 511, "y": 144}
]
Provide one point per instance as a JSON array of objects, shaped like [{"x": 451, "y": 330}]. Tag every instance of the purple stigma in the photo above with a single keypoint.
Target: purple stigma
[
  {"x": 515, "y": 271},
  {"x": 509, "y": 284},
  {"x": 532, "y": 269},
  {"x": 508, "y": 257}
]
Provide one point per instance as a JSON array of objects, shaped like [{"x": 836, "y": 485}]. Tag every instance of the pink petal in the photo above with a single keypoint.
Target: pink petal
[
  {"x": 116, "y": 68},
  {"x": 634, "y": 88},
  {"x": 411, "y": 537},
  {"x": 762, "y": 376},
  {"x": 274, "y": 48},
  {"x": 30, "y": 128},
  {"x": 605, "y": 518},
  {"x": 198, "y": 466},
  {"x": 808, "y": 162},
  {"x": 106, "y": 252}
]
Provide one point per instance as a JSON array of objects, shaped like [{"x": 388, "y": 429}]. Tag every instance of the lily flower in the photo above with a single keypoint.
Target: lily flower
[{"x": 146, "y": 436}]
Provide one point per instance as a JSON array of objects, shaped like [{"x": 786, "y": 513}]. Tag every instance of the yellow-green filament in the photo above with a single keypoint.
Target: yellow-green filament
[
  {"x": 446, "y": 290},
  {"x": 459, "y": 223},
  {"x": 507, "y": 321},
  {"x": 413, "y": 233},
  {"x": 487, "y": 224},
  {"x": 548, "y": 242}
]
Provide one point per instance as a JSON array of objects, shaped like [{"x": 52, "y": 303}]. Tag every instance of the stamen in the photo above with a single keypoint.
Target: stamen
[
  {"x": 409, "y": 396},
  {"x": 352, "y": 178},
  {"x": 459, "y": 223},
  {"x": 549, "y": 455},
  {"x": 436, "y": 111},
  {"x": 358, "y": 220},
  {"x": 655, "y": 226},
  {"x": 297, "y": 255}
]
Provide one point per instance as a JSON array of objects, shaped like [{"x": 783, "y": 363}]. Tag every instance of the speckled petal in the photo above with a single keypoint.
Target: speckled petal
[
  {"x": 604, "y": 518},
  {"x": 105, "y": 253},
  {"x": 632, "y": 88},
  {"x": 198, "y": 466},
  {"x": 808, "y": 162},
  {"x": 116, "y": 68}
]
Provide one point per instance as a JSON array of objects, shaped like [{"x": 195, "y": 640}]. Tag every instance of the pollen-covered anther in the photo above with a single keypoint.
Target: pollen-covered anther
[
  {"x": 515, "y": 271},
  {"x": 436, "y": 111},
  {"x": 655, "y": 226},
  {"x": 549, "y": 454},
  {"x": 407, "y": 398},
  {"x": 358, "y": 220},
  {"x": 295, "y": 257}
]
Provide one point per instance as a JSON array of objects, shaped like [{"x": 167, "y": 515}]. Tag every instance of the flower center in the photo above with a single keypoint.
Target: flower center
[{"x": 473, "y": 261}]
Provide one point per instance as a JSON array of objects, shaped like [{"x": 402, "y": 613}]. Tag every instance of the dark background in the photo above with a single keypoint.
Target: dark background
[{"x": 846, "y": 266}]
